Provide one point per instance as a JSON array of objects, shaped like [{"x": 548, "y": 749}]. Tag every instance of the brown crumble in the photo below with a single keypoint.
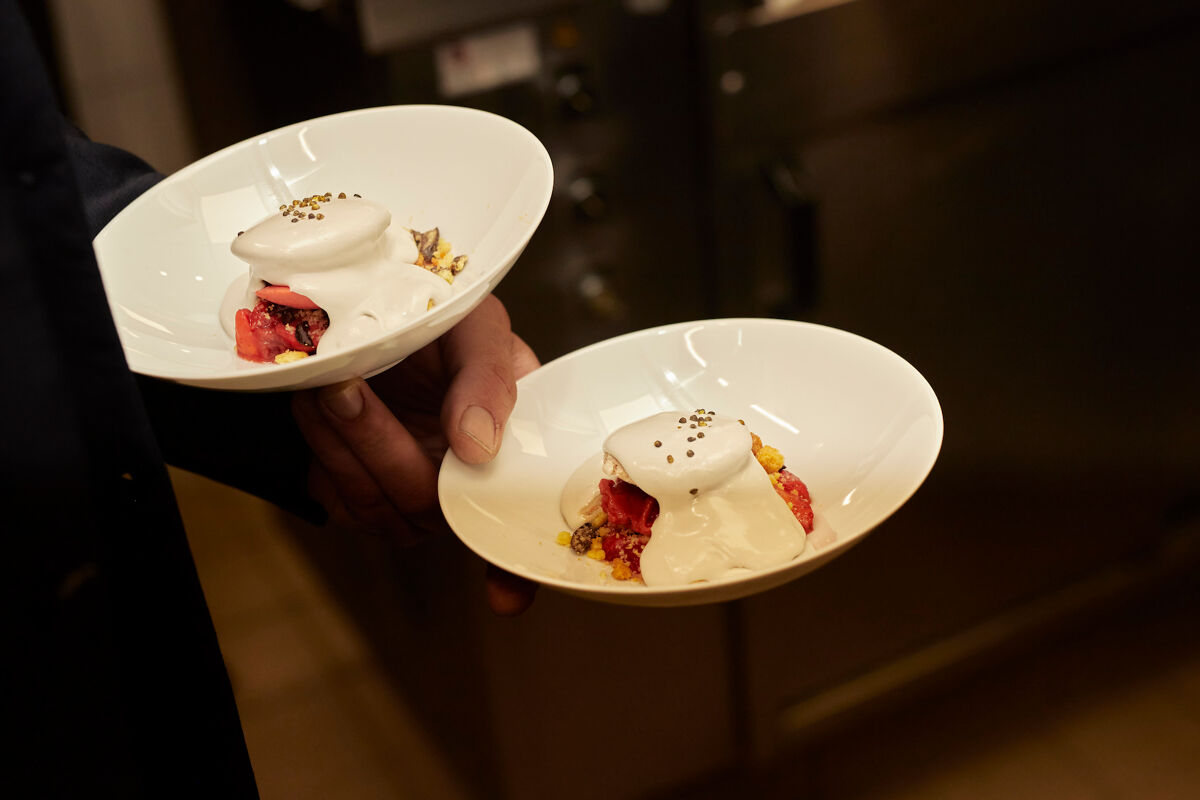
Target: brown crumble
[
  {"x": 691, "y": 438},
  {"x": 690, "y": 453},
  {"x": 657, "y": 443},
  {"x": 670, "y": 459},
  {"x": 700, "y": 434},
  {"x": 693, "y": 491}
]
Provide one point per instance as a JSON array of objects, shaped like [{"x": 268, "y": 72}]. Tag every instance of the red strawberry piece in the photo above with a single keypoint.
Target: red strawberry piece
[
  {"x": 628, "y": 506},
  {"x": 625, "y": 547},
  {"x": 282, "y": 295},
  {"x": 795, "y": 493}
]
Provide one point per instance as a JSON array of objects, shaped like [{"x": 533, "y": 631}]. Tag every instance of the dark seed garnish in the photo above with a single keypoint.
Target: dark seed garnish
[
  {"x": 657, "y": 443},
  {"x": 302, "y": 334},
  {"x": 427, "y": 242},
  {"x": 693, "y": 491},
  {"x": 691, "y": 438},
  {"x": 700, "y": 434},
  {"x": 670, "y": 459},
  {"x": 690, "y": 453},
  {"x": 581, "y": 539}
]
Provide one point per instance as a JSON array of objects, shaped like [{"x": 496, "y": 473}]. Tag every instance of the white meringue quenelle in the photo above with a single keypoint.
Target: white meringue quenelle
[
  {"x": 348, "y": 258},
  {"x": 717, "y": 507}
]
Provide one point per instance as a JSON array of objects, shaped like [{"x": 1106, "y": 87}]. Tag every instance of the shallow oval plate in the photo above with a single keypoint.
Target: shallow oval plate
[
  {"x": 483, "y": 180},
  {"x": 858, "y": 424}
]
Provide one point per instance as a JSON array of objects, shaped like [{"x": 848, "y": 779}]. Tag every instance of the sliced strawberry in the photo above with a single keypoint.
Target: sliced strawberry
[
  {"x": 269, "y": 329},
  {"x": 287, "y": 335},
  {"x": 628, "y": 506},
  {"x": 795, "y": 493},
  {"x": 282, "y": 295},
  {"x": 625, "y": 547},
  {"x": 249, "y": 343}
]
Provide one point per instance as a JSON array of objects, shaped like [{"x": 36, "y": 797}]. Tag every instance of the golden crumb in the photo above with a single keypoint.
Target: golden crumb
[
  {"x": 598, "y": 555},
  {"x": 755, "y": 443},
  {"x": 770, "y": 458},
  {"x": 563, "y": 538},
  {"x": 288, "y": 356},
  {"x": 621, "y": 571},
  {"x": 430, "y": 304}
]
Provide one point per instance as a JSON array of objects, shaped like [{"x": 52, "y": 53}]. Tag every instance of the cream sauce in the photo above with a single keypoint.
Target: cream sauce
[
  {"x": 353, "y": 263},
  {"x": 733, "y": 518}
]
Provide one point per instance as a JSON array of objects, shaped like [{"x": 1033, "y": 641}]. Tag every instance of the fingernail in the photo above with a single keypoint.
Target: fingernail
[
  {"x": 344, "y": 401},
  {"x": 478, "y": 423}
]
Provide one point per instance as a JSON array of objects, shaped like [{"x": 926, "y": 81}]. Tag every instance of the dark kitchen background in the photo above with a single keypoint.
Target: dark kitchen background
[{"x": 1005, "y": 194}]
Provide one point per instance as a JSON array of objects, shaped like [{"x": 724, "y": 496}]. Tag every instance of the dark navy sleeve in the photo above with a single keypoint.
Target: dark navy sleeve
[
  {"x": 109, "y": 178},
  {"x": 203, "y": 431}
]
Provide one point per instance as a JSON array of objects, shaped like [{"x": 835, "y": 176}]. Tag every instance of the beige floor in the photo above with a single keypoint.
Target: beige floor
[{"x": 1111, "y": 713}]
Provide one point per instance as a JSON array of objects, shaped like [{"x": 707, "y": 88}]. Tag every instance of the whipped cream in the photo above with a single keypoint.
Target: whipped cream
[
  {"x": 350, "y": 260},
  {"x": 717, "y": 507}
]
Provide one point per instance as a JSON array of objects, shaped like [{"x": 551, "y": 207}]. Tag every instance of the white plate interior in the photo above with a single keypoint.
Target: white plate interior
[
  {"x": 858, "y": 424},
  {"x": 483, "y": 180}
]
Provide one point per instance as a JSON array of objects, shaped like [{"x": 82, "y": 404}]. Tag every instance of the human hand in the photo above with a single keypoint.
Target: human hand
[{"x": 377, "y": 444}]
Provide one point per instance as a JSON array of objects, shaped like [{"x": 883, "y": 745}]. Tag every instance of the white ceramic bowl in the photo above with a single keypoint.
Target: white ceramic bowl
[
  {"x": 483, "y": 180},
  {"x": 858, "y": 424}
]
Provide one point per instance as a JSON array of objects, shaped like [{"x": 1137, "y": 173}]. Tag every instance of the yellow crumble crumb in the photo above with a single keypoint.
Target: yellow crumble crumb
[
  {"x": 770, "y": 458},
  {"x": 597, "y": 551},
  {"x": 621, "y": 571},
  {"x": 564, "y": 537},
  {"x": 289, "y": 356}
]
